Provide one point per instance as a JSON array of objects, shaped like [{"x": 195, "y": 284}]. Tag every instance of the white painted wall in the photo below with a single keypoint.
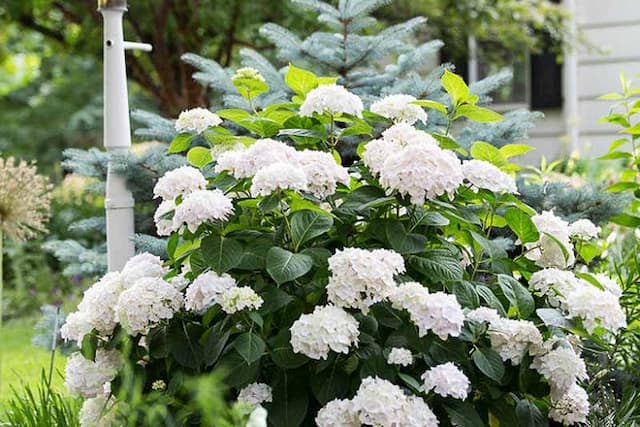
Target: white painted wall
[{"x": 613, "y": 26}]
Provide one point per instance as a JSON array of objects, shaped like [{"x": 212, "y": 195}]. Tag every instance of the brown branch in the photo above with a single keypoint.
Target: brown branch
[{"x": 30, "y": 22}]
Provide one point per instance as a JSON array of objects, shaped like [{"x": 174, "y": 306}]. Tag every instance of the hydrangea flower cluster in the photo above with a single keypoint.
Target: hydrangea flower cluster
[
  {"x": 331, "y": 99},
  {"x": 447, "y": 380},
  {"x": 89, "y": 378},
  {"x": 210, "y": 288},
  {"x": 361, "y": 278},
  {"x": 583, "y": 229},
  {"x": 399, "y": 108},
  {"x": 438, "y": 312},
  {"x": 377, "y": 402},
  {"x": 197, "y": 120},
  {"x": 412, "y": 165},
  {"x": 547, "y": 251},
  {"x": 276, "y": 166},
  {"x": 481, "y": 174},
  {"x": 328, "y": 328},
  {"x": 400, "y": 356},
  {"x": 255, "y": 394},
  {"x": 198, "y": 205}
]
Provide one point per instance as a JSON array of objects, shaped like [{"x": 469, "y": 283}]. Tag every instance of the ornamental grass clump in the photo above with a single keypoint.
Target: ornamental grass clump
[{"x": 410, "y": 289}]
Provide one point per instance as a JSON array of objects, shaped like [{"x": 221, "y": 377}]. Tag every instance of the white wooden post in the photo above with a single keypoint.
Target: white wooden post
[
  {"x": 570, "y": 81},
  {"x": 119, "y": 201}
]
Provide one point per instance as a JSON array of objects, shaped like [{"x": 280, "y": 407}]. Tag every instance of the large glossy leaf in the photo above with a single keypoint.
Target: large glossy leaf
[
  {"x": 221, "y": 253},
  {"x": 529, "y": 415},
  {"x": 307, "y": 225},
  {"x": 522, "y": 225},
  {"x": 250, "y": 346},
  {"x": 329, "y": 384},
  {"x": 438, "y": 265},
  {"x": 462, "y": 414},
  {"x": 517, "y": 295},
  {"x": 290, "y": 399},
  {"x": 489, "y": 363},
  {"x": 403, "y": 242},
  {"x": 183, "y": 345},
  {"x": 284, "y": 266}
]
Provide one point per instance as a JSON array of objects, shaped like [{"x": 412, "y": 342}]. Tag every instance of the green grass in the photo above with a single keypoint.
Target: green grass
[{"x": 20, "y": 361}]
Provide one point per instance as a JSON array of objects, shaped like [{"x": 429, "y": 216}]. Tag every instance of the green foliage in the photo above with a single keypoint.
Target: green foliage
[
  {"x": 38, "y": 406},
  {"x": 279, "y": 246}
]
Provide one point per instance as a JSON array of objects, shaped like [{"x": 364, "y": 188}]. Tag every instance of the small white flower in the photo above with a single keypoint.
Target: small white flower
[
  {"x": 258, "y": 417},
  {"x": 447, "y": 380},
  {"x": 361, "y": 278},
  {"x": 596, "y": 308},
  {"x": 418, "y": 414},
  {"x": 146, "y": 303},
  {"x": 438, "y": 312},
  {"x": 404, "y": 134},
  {"x": 609, "y": 284},
  {"x": 262, "y": 153},
  {"x": 332, "y": 99},
  {"x": 583, "y": 229},
  {"x": 248, "y": 73},
  {"x": 571, "y": 407},
  {"x": 87, "y": 378},
  {"x": 546, "y": 252},
  {"x": 179, "y": 182},
  {"x": 379, "y": 403},
  {"x": 196, "y": 120},
  {"x": 164, "y": 226},
  {"x": 255, "y": 394},
  {"x": 328, "y": 328},
  {"x": 399, "y": 108},
  {"x": 98, "y": 411},
  {"x": 562, "y": 367},
  {"x": 206, "y": 289},
  {"x": 142, "y": 265},
  {"x": 200, "y": 207},
  {"x": 337, "y": 413},
  {"x": 400, "y": 356},
  {"x": 278, "y": 176},
  {"x": 239, "y": 298},
  {"x": 483, "y": 314},
  {"x": 511, "y": 339},
  {"x": 322, "y": 172},
  {"x": 483, "y": 174},
  {"x": 554, "y": 283}
]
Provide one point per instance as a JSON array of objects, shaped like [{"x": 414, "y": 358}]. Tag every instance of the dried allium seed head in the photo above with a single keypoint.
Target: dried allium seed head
[{"x": 25, "y": 198}]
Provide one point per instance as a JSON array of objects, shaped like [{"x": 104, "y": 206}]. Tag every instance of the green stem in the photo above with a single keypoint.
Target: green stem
[{"x": 1, "y": 300}]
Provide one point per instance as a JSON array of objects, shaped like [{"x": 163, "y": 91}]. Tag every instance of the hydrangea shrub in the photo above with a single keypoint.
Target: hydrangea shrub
[{"x": 410, "y": 289}]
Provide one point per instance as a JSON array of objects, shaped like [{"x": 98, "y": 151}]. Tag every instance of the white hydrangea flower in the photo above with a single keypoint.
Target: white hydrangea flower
[
  {"x": 404, "y": 134},
  {"x": 438, "y": 312},
  {"x": 400, "y": 356},
  {"x": 142, "y": 265},
  {"x": 328, "y": 328},
  {"x": 322, "y": 172},
  {"x": 239, "y": 298},
  {"x": 447, "y": 380},
  {"x": 95, "y": 311},
  {"x": 583, "y": 229},
  {"x": 278, "y": 176},
  {"x": 422, "y": 172},
  {"x": 571, "y": 407},
  {"x": 418, "y": 414},
  {"x": 337, "y": 413},
  {"x": 179, "y": 182},
  {"x": 258, "y": 417},
  {"x": 197, "y": 120},
  {"x": 399, "y": 108},
  {"x": 512, "y": 338},
  {"x": 86, "y": 377},
  {"x": 379, "y": 403},
  {"x": 76, "y": 326},
  {"x": 554, "y": 283},
  {"x": 562, "y": 367},
  {"x": 377, "y": 152},
  {"x": 596, "y": 308},
  {"x": 164, "y": 226},
  {"x": 483, "y": 174},
  {"x": 249, "y": 73},
  {"x": 98, "y": 412},
  {"x": 483, "y": 314},
  {"x": 145, "y": 304},
  {"x": 255, "y": 394},
  {"x": 180, "y": 282},
  {"x": 201, "y": 207},
  {"x": 332, "y": 99},
  {"x": 546, "y": 252},
  {"x": 206, "y": 289},
  {"x": 361, "y": 278},
  {"x": 609, "y": 284},
  {"x": 262, "y": 153}
]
